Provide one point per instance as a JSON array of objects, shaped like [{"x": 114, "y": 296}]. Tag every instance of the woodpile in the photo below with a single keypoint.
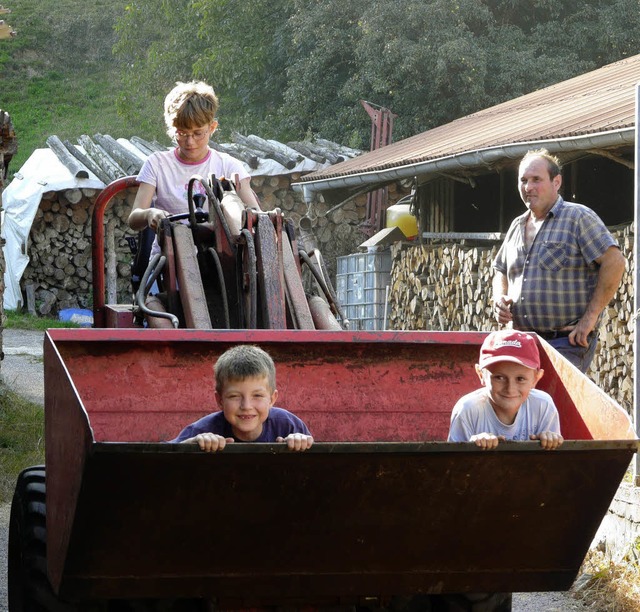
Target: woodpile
[
  {"x": 441, "y": 287},
  {"x": 59, "y": 272},
  {"x": 60, "y": 268},
  {"x": 447, "y": 286},
  {"x": 612, "y": 367}
]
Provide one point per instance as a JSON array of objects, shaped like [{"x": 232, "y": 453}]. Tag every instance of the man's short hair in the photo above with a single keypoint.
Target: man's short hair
[
  {"x": 553, "y": 163},
  {"x": 242, "y": 362}
]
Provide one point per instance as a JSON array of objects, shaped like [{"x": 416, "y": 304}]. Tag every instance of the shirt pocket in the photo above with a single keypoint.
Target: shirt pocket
[{"x": 554, "y": 256}]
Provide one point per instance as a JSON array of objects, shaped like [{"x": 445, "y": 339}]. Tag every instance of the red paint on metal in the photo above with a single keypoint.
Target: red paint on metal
[
  {"x": 118, "y": 315},
  {"x": 381, "y": 136},
  {"x": 97, "y": 243},
  {"x": 376, "y": 499}
]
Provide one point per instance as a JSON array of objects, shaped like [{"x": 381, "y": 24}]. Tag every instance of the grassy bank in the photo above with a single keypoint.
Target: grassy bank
[
  {"x": 21, "y": 439},
  {"x": 15, "y": 319},
  {"x": 59, "y": 75}
]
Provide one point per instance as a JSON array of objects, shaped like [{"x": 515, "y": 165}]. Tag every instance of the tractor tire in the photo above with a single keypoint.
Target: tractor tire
[
  {"x": 451, "y": 602},
  {"x": 28, "y": 584},
  {"x": 472, "y": 602}
]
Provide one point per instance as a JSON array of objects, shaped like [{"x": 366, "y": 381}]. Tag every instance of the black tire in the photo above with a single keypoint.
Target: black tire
[
  {"x": 472, "y": 602},
  {"x": 28, "y": 585}
]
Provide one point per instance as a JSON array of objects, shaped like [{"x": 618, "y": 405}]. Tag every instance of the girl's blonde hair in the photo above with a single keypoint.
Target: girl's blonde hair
[{"x": 189, "y": 106}]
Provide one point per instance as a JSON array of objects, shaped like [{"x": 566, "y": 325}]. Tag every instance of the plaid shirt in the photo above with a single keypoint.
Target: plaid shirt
[{"x": 552, "y": 283}]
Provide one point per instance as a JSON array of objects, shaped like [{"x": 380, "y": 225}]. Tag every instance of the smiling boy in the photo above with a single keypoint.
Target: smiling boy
[
  {"x": 246, "y": 392},
  {"x": 508, "y": 406}
]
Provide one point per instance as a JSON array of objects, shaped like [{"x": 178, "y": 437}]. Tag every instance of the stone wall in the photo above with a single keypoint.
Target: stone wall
[
  {"x": 447, "y": 286},
  {"x": 60, "y": 269}
]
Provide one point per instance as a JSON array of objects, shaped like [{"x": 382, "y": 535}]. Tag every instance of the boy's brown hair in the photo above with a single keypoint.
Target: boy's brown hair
[{"x": 244, "y": 361}]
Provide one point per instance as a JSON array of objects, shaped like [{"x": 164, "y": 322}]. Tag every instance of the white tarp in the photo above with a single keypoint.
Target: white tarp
[
  {"x": 43, "y": 172},
  {"x": 20, "y": 200}
]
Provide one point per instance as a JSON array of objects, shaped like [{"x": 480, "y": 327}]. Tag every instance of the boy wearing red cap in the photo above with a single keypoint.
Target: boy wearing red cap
[{"x": 508, "y": 406}]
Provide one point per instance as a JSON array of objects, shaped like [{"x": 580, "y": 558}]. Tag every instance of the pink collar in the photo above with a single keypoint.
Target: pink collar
[{"x": 190, "y": 163}]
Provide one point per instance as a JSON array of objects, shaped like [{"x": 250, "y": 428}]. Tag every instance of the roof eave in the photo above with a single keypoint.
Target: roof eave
[{"x": 356, "y": 183}]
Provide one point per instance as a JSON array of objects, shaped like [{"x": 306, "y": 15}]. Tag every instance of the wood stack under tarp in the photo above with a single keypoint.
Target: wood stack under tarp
[
  {"x": 447, "y": 286},
  {"x": 59, "y": 273}
]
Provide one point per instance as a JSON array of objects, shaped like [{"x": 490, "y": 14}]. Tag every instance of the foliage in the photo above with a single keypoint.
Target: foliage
[
  {"x": 21, "y": 439},
  {"x": 237, "y": 47},
  {"x": 293, "y": 67},
  {"x": 157, "y": 46},
  {"x": 59, "y": 75}
]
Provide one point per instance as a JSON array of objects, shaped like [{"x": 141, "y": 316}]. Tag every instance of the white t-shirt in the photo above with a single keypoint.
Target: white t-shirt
[
  {"x": 473, "y": 414},
  {"x": 170, "y": 176}
]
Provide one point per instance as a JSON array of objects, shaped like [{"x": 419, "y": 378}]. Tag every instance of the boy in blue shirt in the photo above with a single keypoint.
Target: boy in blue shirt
[{"x": 245, "y": 392}]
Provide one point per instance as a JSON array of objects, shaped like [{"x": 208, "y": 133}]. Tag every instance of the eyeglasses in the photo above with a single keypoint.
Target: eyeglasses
[{"x": 196, "y": 134}]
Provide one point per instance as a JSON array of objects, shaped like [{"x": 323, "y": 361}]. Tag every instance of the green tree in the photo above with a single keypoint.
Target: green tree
[
  {"x": 245, "y": 53},
  {"x": 286, "y": 68},
  {"x": 158, "y": 43}
]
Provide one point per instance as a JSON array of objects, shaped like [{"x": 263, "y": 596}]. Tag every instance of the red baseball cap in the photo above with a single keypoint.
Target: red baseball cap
[{"x": 509, "y": 345}]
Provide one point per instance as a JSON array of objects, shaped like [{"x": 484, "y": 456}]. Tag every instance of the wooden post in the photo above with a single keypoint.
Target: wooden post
[{"x": 111, "y": 272}]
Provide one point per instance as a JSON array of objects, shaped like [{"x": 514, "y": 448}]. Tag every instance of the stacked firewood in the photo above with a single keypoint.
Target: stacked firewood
[
  {"x": 447, "y": 286},
  {"x": 612, "y": 367},
  {"x": 441, "y": 287},
  {"x": 59, "y": 272},
  {"x": 60, "y": 267}
]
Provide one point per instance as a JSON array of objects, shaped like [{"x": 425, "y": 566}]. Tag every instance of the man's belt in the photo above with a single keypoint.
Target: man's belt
[{"x": 553, "y": 334}]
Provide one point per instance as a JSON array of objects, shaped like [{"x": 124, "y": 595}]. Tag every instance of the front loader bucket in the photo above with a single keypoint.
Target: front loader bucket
[{"x": 380, "y": 506}]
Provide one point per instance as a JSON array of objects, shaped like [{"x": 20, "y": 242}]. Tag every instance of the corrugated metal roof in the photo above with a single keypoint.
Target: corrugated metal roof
[{"x": 597, "y": 102}]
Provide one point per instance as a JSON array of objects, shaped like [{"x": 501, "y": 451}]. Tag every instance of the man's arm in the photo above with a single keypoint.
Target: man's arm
[
  {"x": 501, "y": 301},
  {"x": 612, "y": 264}
]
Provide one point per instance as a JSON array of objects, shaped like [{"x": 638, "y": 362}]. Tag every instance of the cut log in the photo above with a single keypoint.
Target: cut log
[
  {"x": 145, "y": 146},
  {"x": 284, "y": 149},
  {"x": 102, "y": 158},
  {"x": 125, "y": 159},
  {"x": 87, "y": 161},
  {"x": 307, "y": 152},
  {"x": 74, "y": 166},
  {"x": 338, "y": 148},
  {"x": 332, "y": 156},
  {"x": 245, "y": 156},
  {"x": 267, "y": 150}
]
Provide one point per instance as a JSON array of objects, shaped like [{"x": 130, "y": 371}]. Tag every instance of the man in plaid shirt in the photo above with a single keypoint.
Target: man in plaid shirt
[{"x": 558, "y": 267}]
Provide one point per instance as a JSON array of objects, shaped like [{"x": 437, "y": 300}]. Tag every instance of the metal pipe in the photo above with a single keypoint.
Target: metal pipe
[
  {"x": 317, "y": 273},
  {"x": 97, "y": 243},
  {"x": 150, "y": 275},
  {"x": 223, "y": 286}
]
